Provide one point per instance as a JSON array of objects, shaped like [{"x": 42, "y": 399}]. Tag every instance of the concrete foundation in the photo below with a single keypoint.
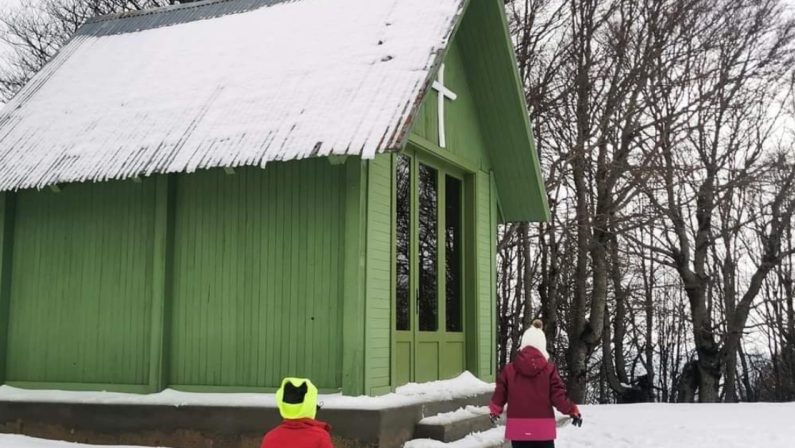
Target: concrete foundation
[{"x": 209, "y": 426}]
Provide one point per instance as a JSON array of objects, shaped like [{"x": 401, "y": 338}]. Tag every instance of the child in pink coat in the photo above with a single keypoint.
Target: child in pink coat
[{"x": 531, "y": 386}]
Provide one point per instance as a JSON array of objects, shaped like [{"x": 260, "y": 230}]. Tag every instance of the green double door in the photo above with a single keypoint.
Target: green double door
[{"x": 429, "y": 269}]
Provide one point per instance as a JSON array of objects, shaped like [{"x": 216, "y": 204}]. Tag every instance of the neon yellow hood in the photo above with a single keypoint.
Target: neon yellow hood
[{"x": 294, "y": 411}]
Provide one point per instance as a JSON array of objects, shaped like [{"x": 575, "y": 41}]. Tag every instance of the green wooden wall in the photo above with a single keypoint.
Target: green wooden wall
[
  {"x": 257, "y": 282},
  {"x": 204, "y": 281},
  {"x": 380, "y": 256},
  {"x": 487, "y": 286},
  {"x": 7, "y": 208},
  {"x": 80, "y": 285}
]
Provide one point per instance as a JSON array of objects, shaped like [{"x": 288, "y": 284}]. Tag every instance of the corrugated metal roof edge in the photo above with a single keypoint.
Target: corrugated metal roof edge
[
  {"x": 135, "y": 21},
  {"x": 152, "y": 11}
]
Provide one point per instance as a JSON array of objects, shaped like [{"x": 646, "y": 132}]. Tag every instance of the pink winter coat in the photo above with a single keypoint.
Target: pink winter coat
[{"x": 530, "y": 385}]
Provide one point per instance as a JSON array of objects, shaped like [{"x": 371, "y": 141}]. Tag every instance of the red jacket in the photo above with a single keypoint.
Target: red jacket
[
  {"x": 303, "y": 433},
  {"x": 530, "y": 386}
]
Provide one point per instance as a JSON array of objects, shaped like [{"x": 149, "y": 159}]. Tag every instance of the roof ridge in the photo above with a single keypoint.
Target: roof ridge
[{"x": 153, "y": 11}]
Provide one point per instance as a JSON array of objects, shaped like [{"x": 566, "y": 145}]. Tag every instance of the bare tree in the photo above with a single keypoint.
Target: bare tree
[
  {"x": 720, "y": 147},
  {"x": 656, "y": 122},
  {"x": 38, "y": 30}
]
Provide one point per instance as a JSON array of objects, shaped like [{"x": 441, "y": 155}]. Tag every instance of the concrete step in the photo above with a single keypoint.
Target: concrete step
[
  {"x": 492, "y": 438},
  {"x": 451, "y": 426}
]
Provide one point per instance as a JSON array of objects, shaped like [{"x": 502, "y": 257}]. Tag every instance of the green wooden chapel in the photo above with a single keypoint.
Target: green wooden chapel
[{"x": 216, "y": 195}]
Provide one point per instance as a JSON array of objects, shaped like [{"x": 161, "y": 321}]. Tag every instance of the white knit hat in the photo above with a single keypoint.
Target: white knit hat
[{"x": 535, "y": 337}]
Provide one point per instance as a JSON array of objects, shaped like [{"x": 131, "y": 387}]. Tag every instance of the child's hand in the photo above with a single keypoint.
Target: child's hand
[
  {"x": 495, "y": 418},
  {"x": 576, "y": 417}
]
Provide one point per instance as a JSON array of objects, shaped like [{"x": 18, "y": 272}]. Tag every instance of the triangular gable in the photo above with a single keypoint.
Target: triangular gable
[{"x": 488, "y": 122}]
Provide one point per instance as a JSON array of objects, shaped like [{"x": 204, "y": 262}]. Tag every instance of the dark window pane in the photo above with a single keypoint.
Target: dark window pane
[
  {"x": 453, "y": 275},
  {"x": 428, "y": 246},
  {"x": 403, "y": 237}
]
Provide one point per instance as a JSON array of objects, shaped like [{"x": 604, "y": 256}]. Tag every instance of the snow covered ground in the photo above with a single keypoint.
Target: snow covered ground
[
  {"x": 464, "y": 386},
  {"x": 628, "y": 426},
  {"x": 14, "y": 441},
  {"x": 666, "y": 426},
  {"x": 460, "y": 414},
  {"x": 624, "y": 426}
]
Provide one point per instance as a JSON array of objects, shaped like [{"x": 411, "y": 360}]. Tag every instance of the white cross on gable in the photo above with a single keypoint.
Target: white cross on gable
[{"x": 444, "y": 93}]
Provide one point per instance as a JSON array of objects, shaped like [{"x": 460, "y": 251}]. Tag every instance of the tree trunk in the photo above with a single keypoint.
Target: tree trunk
[
  {"x": 648, "y": 278},
  {"x": 503, "y": 324},
  {"x": 620, "y": 320},
  {"x": 730, "y": 383},
  {"x": 527, "y": 276},
  {"x": 728, "y": 268},
  {"x": 688, "y": 383},
  {"x": 746, "y": 379},
  {"x": 708, "y": 362},
  {"x": 548, "y": 286},
  {"x": 578, "y": 370},
  {"x": 610, "y": 375},
  {"x": 578, "y": 347}
]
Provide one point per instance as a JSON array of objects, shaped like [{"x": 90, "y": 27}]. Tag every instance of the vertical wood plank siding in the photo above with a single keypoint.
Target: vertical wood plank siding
[
  {"x": 7, "y": 201},
  {"x": 353, "y": 287},
  {"x": 379, "y": 276},
  {"x": 162, "y": 280},
  {"x": 80, "y": 285},
  {"x": 486, "y": 286},
  {"x": 494, "y": 214},
  {"x": 257, "y": 271}
]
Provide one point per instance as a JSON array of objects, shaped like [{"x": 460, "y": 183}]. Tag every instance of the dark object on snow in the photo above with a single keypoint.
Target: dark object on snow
[
  {"x": 576, "y": 421},
  {"x": 642, "y": 391}
]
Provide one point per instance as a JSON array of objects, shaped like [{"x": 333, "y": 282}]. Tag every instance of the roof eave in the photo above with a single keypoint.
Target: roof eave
[{"x": 513, "y": 154}]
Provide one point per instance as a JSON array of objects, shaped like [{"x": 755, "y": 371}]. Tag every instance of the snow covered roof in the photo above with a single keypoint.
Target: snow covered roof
[{"x": 224, "y": 83}]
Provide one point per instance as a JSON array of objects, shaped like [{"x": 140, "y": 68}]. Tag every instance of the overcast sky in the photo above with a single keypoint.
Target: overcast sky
[{"x": 5, "y": 5}]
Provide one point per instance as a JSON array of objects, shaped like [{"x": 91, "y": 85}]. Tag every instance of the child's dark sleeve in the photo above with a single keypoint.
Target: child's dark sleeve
[
  {"x": 500, "y": 395},
  {"x": 560, "y": 398}
]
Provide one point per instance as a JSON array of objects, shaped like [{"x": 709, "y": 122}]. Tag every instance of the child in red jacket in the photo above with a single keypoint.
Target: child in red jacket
[
  {"x": 531, "y": 386},
  {"x": 297, "y": 401}
]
